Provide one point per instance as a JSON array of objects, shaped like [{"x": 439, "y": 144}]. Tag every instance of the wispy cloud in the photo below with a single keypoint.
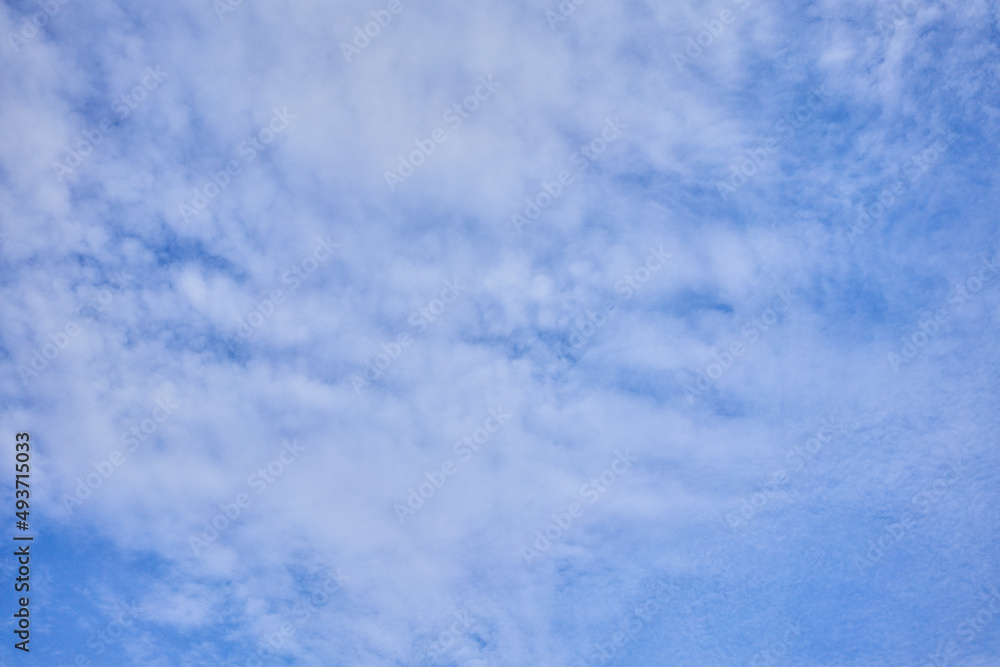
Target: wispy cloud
[{"x": 637, "y": 292}]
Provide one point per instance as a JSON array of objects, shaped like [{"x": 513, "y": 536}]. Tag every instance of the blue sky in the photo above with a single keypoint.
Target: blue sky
[{"x": 479, "y": 334}]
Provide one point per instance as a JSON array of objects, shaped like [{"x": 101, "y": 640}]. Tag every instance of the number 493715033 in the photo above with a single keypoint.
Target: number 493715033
[{"x": 23, "y": 492}]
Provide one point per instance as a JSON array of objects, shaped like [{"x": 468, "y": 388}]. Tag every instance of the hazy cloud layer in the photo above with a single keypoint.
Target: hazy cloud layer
[{"x": 477, "y": 334}]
